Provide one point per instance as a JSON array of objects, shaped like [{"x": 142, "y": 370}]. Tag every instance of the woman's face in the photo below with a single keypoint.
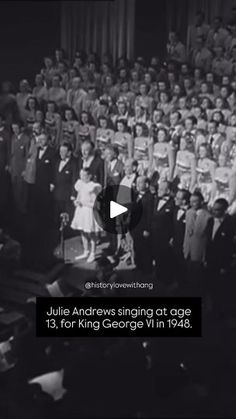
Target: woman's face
[
  {"x": 48, "y": 62},
  {"x": 225, "y": 81},
  {"x": 204, "y": 88},
  {"x": 217, "y": 117},
  {"x": 176, "y": 90},
  {"x": 161, "y": 136},
  {"x": 219, "y": 103},
  {"x": 31, "y": 104},
  {"x": 128, "y": 168},
  {"x": 139, "y": 131},
  {"x": 125, "y": 87},
  {"x": 39, "y": 116},
  {"x": 171, "y": 77},
  {"x": 174, "y": 119},
  {"x": 103, "y": 123},
  {"x": 205, "y": 103},
  {"x": 222, "y": 160},
  {"x": 120, "y": 127},
  {"x": 182, "y": 103},
  {"x": 197, "y": 73},
  {"x": 187, "y": 83},
  {"x": 134, "y": 76},
  {"x": 68, "y": 115},
  {"x": 38, "y": 80},
  {"x": 108, "y": 81},
  {"x": 209, "y": 78},
  {"x": 202, "y": 152},
  {"x": 142, "y": 89},
  {"x": 138, "y": 111},
  {"x": 84, "y": 118},
  {"x": 233, "y": 120},
  {"x": 194, "y": 101},
  {"x": 163, "y": 97},
  {"x": 147, "y": 78},
  {"x": 197, "y": 112},
  {"x": 23, "y": 86},
  {"x": 121, "y": 108},
  {"x": 188, "y": 124},
  {"x": 157, "y": 116},
  {"x": 84, "y": 176},
  {"x": 224, "y": 92}
]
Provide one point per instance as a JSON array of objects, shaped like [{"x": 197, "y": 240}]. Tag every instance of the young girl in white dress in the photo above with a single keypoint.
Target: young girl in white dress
[{"x": 84, "y": 219}]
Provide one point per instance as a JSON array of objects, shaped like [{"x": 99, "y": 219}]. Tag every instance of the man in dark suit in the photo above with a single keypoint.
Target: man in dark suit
[
  {"x": 142, "y": 231},
  {"x": 20, "y": 143},
  {"x": 220, "y": 243},
  {"x": 4, "y": 174},
  {"x": 64, "y": 177},
  {"x": 182, "y": 199},
  {"x": 219, "y": 253},
  {"x": 114, "y": 168},
  {"x": 89, "y": 159},
  {"x": 43, "y": 187},
  {"x": 162, "y": 231}
]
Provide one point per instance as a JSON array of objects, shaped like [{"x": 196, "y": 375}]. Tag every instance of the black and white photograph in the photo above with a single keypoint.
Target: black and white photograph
[{"x": 117, "y": 181}]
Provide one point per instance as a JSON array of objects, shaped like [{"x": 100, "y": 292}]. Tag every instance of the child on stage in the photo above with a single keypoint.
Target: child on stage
[{"x": 84, "y": 220}]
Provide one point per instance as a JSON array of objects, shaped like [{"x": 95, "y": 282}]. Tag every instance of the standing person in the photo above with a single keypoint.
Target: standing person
[
  {"x": 175, "y": 49},
  {"x": 4, "y": 175},
  {"x": 179, "y": 224},
  {"x": 89, "y": 159},
  {"x": 220, "y": 249},
  {"x": 195, "y": 240},
  {"x": 20, "y": 143},
  {"x": 43, "y": 208},
  {"x": 114, "y": 168},
  {"x": 201, "y": 56},
  {"x": 64, "y": 178},
  {"x": 84, "y": 219},
  {"x": 141, "y": 233},
  {"x": 199, "y": 28},
  {"x": 162, "y": 231}
]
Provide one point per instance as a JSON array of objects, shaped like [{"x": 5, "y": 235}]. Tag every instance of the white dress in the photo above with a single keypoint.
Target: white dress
[{"x": 84, "y": 219}]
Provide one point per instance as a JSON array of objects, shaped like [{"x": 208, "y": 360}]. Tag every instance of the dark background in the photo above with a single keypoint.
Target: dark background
[{"x": 28, "y": 31}]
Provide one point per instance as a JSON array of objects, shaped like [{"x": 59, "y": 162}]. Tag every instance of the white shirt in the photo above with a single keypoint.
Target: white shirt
[
  {"x": 41, "y": 152},
  {"x": 161, "y": 203},
  {"x": 87, "y": 163},
  {"x": 62, "y": 164},
  {"x": 112, "y": 164},
  {"x": 216, "y": 226},
  {"x": 180, "y": 213}
]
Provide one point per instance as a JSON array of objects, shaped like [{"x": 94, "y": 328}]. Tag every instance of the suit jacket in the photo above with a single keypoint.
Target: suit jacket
[
  {"x": 196, "y": 234},
  {"x": 64, "y": 181},
  {"x": 114, "y": 176},
  {"x": 96, "y": 167},
  {"x": 142, "y": 212},
  {"x": 19, "y": 153},
  {"x": 45, "y": 169},
  {"x": 220, "y": 249},
  {"x": 162, "y": 224},
  {"x": 179, "y": 226},
  {"x": 4, "y": 149}
]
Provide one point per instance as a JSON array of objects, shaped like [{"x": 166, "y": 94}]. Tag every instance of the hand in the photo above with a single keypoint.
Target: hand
[
  {"x": 52, "y": 187},
  {"x": 171, "y": 242},
  {"x": 146, "y": 233}
]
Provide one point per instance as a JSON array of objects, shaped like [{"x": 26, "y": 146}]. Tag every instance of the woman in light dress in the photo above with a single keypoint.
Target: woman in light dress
[
  {"x": 84, "y": 219},
  {"x": 224, "y": 184},
  {"x": 205, "y": 172},
  {"x": 185, "y": 168},
  {"x": 123, "y": 140},
  {"x": 141, "y": 149},
  {"x": 104, "y": 135},
  {"x": 161, "y": 156}
]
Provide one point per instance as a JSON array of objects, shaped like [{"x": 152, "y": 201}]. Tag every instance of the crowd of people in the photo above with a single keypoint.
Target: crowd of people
[{"x": 159, "y": 128}]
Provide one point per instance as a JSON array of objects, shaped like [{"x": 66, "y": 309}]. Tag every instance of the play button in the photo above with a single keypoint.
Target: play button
[{"x": 116, "y": 209}]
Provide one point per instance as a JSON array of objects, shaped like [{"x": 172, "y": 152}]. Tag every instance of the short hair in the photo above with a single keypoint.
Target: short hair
[
  {"x": 88, "y": 142},
  {"x": 198, "y": 195},
  {"x": 223, "y": 203},
  {"x": 113, "y": 148},
  {"x": 186, "y": 194},
  {"x": 67, "y": 145}
]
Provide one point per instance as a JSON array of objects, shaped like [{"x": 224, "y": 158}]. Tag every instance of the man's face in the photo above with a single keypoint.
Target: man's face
[
  {"x": 218, "y": 210},
  {"x": 86, "y": 150},
  {"x": 141, "y": 184},
  {"x": 179, "y": 199},
  {"x": 43, "y": 140},
  {"x": 195, "y": 202},
  {"x": 16, "y": 129},
  {"x": 109, "y": 155},
  {"x": 163, "y": 189},
  {"x": 64, "y": 153}
]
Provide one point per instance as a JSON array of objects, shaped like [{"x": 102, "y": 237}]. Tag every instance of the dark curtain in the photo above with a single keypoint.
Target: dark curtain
[
  {"x": 180, "y": 13},
  {"x": 99, "y": 26}
]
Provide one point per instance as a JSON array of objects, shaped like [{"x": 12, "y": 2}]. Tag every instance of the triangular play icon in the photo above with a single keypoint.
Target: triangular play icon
[{"x": 116, "y": 209}]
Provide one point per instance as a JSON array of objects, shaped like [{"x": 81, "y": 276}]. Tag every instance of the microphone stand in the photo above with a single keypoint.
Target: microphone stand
[{"x": 64, "y": 221}]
